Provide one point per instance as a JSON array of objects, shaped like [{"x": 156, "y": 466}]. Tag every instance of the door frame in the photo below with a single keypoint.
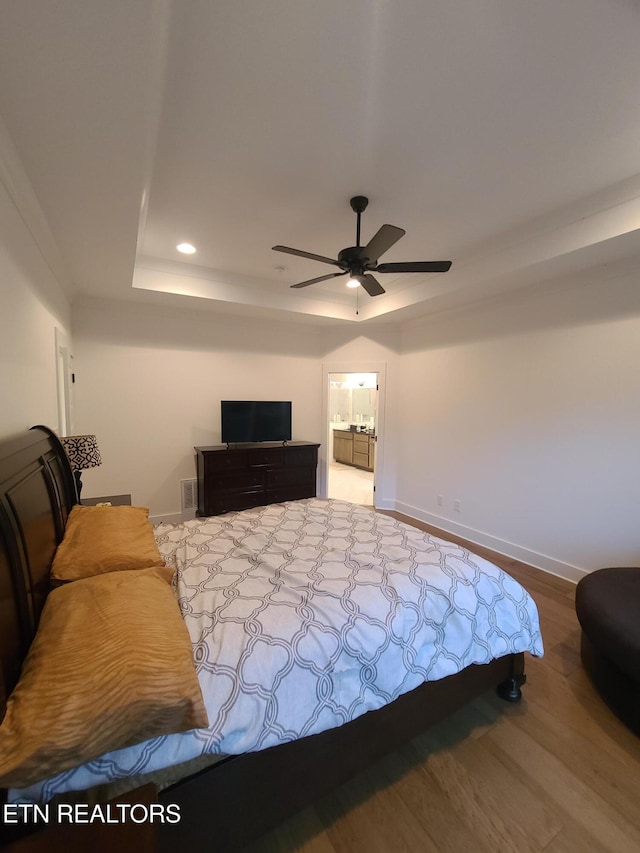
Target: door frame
[
  {"x": 364, "y": 366},
  {"x": 64, "y": 383}
]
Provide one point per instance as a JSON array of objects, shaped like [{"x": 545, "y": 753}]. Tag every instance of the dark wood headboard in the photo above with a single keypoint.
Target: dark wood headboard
[{"x": 37, "y": 491}]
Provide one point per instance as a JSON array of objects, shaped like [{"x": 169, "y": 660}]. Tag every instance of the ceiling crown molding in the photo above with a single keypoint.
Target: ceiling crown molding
[{"x": 19, "y": 188}]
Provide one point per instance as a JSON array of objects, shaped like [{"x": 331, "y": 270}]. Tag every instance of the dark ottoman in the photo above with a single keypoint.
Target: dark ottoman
[{"x": 608, "y": 609}]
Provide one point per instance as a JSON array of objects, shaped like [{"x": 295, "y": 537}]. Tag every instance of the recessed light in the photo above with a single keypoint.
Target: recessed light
[
  {"x": 186, "y": 248},
  {"x": 353, "y": 282}
]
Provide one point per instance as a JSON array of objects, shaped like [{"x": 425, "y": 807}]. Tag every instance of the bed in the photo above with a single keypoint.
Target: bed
[{"x": 251, "y": 575}]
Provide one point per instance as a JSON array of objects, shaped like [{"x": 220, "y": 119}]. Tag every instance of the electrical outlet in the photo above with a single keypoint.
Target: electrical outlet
[
  {"x": 457, "y": 506},
  {"x": 439, "y": 500}
]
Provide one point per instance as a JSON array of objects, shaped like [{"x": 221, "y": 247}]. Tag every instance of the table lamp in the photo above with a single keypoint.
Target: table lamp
[{"x": 83, "y": 452}]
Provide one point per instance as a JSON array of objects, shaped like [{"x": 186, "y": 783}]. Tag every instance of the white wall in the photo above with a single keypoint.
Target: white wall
[
  {"x": 150, "y": 380},
  {"x": 32, "y": 305},
  {"x": 527, "y": 411}
]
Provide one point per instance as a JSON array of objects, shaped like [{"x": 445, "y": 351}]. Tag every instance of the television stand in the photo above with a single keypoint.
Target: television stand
[{"x": 246, "y": 475}]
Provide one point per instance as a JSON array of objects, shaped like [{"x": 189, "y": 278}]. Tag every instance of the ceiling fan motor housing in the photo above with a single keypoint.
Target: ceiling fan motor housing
[{"x": 353, "y": 259}]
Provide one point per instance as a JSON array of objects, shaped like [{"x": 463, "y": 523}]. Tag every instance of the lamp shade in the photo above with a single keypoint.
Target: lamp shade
[{"x": 82, "y": 450}]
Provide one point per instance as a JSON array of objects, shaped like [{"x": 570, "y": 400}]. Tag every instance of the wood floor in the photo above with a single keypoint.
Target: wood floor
[{"x": 557, "y": 772}]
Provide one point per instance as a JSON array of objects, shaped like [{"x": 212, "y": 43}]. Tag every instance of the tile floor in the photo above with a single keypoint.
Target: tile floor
[{"x": 350, "y": 484}]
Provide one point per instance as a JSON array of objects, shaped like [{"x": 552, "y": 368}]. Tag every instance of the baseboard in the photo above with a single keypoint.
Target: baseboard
[
  {"x": 385, "y": 504},
  {"x": 171, "y": 518},
  {"x": 502, "y": 546}
]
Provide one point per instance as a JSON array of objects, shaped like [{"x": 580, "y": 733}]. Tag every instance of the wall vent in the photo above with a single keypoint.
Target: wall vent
[{"x": 189, "y": 492}]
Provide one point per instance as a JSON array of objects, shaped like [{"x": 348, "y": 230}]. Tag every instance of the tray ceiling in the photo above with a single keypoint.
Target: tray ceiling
[{"x": 501, "y": 135}]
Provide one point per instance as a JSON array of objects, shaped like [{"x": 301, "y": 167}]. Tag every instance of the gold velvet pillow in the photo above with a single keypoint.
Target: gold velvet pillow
[
  {"x": 101, "y": 539},
  {"x": 111, "y": 665}
]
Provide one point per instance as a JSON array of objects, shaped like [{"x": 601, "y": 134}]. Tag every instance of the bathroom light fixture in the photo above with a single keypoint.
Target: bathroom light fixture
[{"x": 186, "y": 248}]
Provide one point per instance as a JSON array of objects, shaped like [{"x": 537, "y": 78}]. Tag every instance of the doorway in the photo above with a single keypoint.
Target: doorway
[
  {"x": 64, "y": 383},
  {"x": 352, "y": 415}
]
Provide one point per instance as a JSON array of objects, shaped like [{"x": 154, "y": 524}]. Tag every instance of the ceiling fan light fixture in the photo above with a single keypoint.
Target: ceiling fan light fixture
[
  {"x": 186, "y": 248},
  {"x": 353, "y": 282}
]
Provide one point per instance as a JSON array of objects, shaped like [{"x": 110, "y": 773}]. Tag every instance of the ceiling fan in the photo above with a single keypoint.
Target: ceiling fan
[{"x": 360, "y": 261}]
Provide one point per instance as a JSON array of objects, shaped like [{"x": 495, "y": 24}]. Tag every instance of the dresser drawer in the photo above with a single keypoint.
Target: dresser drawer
[
  {"x": 234, "y": 501},
  {"x": 242, "y": 480},
  {"x": 269, "y": 457},
  {"x": 301, "y": 456},
  {"x": 290, "y": 477},
  {"x": 224, "y": 461},
  {"x": 290, "y": 493}
]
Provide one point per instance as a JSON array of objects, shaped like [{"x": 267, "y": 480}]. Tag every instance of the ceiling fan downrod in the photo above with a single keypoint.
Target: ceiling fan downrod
[{"x": 359, "y": 205}]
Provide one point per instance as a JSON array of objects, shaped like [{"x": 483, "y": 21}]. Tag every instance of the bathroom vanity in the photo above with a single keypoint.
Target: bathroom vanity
[{"x": 351, "y": 447}]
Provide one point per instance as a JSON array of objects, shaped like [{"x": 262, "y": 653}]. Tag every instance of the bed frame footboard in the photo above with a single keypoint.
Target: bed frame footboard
[{"x": 244, "y": 797}]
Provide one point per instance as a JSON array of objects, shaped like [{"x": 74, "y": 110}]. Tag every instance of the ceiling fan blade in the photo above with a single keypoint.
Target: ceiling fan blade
[
  {"x": 370, "y": 284},
  {"x": 382, "y": 241},
  {"x": 302, "y": 254},
  {"x": 416, "y": 266},
  {"x": 321, "y": 278}
]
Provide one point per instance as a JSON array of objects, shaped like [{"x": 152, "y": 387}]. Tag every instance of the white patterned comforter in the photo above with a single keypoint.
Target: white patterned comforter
[{"x": 305, "y": 615}]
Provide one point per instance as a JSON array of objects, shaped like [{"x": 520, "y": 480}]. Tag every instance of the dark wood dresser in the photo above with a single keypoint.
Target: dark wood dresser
[{"x": 246, "y": 475}]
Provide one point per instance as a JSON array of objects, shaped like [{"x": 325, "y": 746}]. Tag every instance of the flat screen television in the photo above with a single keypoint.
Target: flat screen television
[{"x": 255, "y": 420}]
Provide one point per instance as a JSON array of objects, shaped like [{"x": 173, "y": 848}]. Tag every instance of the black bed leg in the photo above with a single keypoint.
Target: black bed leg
[{"x": 509, "y": 690}]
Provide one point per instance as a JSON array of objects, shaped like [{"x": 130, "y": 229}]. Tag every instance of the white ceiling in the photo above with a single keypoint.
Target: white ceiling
[{"x": 503, "y": 135}]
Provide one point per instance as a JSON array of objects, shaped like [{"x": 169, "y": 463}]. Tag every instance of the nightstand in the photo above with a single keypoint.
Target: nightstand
[{"x": 114, "y": 500}]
